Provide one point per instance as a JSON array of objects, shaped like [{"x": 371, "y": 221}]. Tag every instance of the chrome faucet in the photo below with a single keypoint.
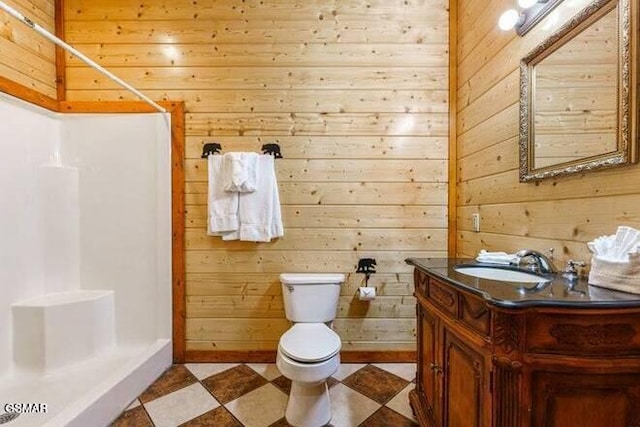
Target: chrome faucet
[{"x": 538, "y": 261}]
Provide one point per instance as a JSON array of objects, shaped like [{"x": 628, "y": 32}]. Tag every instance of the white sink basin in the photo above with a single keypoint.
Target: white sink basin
[{"x": 501, "y": 274}]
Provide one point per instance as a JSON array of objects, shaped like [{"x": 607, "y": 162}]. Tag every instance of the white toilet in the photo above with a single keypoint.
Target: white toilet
[{"x": 309, "y": 352}]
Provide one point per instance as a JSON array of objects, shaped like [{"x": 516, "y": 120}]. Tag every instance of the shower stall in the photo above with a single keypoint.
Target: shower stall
[{"x": 85, "y": 262}]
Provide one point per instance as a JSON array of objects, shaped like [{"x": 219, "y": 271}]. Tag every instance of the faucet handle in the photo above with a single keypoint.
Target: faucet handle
[{"x": 571, "y": 267}]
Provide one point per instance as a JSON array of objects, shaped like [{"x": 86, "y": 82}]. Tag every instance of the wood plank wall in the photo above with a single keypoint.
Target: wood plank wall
[
  {"x": 354, "y": 91},
  {"x": 25, "y": 56},
  {"x": 562, "y": 213}
]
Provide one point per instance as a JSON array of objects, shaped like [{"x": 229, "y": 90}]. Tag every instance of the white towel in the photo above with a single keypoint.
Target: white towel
[
  {"x": 222, "y": 206},
  {"x": 259, "y": 212},
  {"x": 240, "y": 172},
  {"x": 620, "y": 276},
  {"x": 496, "y": 257},
  {"x": 617, "y": 247}
]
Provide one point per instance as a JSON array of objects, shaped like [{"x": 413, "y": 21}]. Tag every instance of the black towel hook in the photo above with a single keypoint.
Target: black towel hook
[
  {"x": 215, "y": 148},
  {"x": 273, "y": 149},
  {"x": 210, "y": 148}
]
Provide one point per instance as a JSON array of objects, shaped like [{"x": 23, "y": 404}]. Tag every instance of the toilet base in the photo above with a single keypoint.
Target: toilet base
[{"x": 309, "y": 404}]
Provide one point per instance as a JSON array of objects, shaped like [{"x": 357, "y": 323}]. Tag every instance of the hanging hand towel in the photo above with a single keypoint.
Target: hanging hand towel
[
  {"x": 259, "y": 212},
  {"x": 222, "y": 206},
  {"x": 240, "y": 172}
]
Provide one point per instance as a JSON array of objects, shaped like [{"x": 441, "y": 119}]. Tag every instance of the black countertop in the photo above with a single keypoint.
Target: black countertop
[{"x": 559, "y": 292}]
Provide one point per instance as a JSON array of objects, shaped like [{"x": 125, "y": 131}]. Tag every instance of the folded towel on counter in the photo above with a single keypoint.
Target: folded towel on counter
[
  {"x": 496, "y": 257},
  {"x": 619, "y": 276},
  {"x": 259, "y": 216},
  {"x": 617, "y": 247},
  {"x": 222, "y": 206},
  {"x": 616, "y": 260},
  {"x": 239, "y": 172}
]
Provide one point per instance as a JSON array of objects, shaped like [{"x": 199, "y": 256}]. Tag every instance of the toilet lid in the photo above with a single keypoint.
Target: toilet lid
[{"x": 310, "y": 342}]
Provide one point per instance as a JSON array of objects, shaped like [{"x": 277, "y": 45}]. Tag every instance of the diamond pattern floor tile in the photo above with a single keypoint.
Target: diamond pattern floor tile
[
  {"x": 283, "y": 383},
  {"x": 348, "y": 407},
  {"x": 267, "y": 370},
  {"x": 181, "y": 406},
  {"x": 400, "y": 402},
  {"x": 205, "y": 370},
  {"x": 405, "y": 371},
  {"x": 173, "y": 379},
  {"x": 283, "y": 423},
  {"x": 376, "y": 383},
  {"x": 136, "y": 417},
  {"x": 255, "y": 395},
  {"x": 346, "y": 369},
  {"x": 233, "y": 383},
  {"x": 259, "y": 408},
  {"x": 218, "y": 417},
  {"x": 385, "y": 417}
]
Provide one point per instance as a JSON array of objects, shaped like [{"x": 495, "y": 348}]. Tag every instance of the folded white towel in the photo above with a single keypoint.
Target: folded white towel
[
  {"x": 240, "y": 172},
  {"x": 617, "y": 275},
  {"x": 259, "y": 212},
  {"x": 496, "y": 257},
  {"x": 222, "y": 206},
  {"x": 617, "y": 247}
]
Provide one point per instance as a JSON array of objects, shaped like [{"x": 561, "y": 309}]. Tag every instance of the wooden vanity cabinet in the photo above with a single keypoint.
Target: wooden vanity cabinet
[
  {"x": 427, "y": 384},
  {"x": 480, "y": 365},
  {"x": 453, "y": 385}
]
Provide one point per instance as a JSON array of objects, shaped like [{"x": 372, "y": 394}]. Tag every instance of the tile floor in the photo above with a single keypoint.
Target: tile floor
[{"x": 255, "y": 395}]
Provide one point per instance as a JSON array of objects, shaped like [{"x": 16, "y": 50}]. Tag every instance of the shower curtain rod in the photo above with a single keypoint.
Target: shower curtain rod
[{"x": 79, "y": 54}]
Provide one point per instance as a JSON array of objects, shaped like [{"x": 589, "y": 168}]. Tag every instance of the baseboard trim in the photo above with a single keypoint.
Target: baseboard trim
[
  {"x": 269, "y": 356},
  {"x": 378, "y": 356},
  {"x": 212, "y": 356}
]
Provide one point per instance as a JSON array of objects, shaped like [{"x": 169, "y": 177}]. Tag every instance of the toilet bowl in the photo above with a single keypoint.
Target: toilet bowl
[{"x": 309, "y": 352}]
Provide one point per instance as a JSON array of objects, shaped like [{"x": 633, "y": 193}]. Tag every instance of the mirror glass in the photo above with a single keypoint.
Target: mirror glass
[{"x": 575, "y": 112}]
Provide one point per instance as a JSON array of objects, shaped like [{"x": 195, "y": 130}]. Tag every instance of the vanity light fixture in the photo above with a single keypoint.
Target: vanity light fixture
[{"x": 528, "y": 14}]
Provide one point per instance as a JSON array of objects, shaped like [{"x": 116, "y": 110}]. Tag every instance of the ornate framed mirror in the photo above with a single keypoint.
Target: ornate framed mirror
[{"x": 578, "y": 94}]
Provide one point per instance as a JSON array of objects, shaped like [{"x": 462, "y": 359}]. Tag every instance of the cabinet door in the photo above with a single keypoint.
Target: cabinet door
[
  {"x": 585, "y": 399},
  {"x": 428, "y": 371},
  {"x": 463, "y": 379}
]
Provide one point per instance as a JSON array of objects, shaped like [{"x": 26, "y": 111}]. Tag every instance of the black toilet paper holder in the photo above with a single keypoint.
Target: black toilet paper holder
[{"x": 368, "y": 267}]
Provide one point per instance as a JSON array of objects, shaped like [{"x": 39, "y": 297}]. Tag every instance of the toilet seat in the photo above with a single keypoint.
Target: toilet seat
[{"x": 310, "y": 343}]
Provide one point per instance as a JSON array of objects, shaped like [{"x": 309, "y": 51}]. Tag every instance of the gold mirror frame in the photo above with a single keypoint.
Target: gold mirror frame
[{"x": 627, "y": 106}]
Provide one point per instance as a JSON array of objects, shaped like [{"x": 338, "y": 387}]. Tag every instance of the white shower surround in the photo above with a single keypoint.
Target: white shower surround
[{"x": 86, "y": 207}]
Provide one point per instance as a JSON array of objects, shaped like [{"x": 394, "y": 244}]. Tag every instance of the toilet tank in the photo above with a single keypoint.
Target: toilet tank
[{"x": 311, "y": 298}]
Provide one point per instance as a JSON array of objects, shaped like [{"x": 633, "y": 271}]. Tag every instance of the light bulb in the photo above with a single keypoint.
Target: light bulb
[
  {"x": 525, "y": 4},
  {"x": 508, "y": 20}
]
